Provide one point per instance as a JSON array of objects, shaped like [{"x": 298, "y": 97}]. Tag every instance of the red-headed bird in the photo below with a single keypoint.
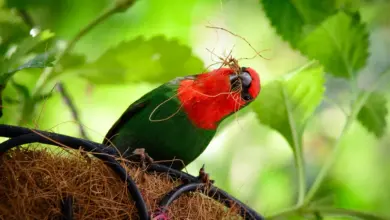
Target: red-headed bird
[{"x": 178, "y": 119}]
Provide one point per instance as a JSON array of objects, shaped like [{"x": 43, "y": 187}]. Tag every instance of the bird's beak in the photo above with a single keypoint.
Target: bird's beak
[
  {"x": 241, "y": 82},
  {"x": 235, "y": 84},
  {"x": 233, "y": 77}
]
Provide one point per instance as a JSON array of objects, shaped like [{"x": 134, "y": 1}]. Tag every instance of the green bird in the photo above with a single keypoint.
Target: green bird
[{"x": 176, "y": 121}]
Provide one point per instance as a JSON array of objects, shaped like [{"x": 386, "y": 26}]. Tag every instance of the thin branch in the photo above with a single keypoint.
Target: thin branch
[
  {"x": 298, "y": 151},
  {"x": 284, "y": 213},
  {"x": 119, "y": 7},
  {"x": 27, "y": 19},
  {"x": 331, "y": 211},
  {"x": 356, "y": 107},
  {"x": 60, "y": 86},
  {"x": 326, "y": 211},
  {"x": 297, "y": 142},
  {"x": 336, "y": 149},
  {"x": 68, "y": 102}
]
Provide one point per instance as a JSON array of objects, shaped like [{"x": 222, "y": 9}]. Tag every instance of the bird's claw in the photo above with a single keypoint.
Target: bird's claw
[
  {"x": 204, "y": 177},
  {"x": 144, "y": 157},
  {"x": 160, "y": 215}
]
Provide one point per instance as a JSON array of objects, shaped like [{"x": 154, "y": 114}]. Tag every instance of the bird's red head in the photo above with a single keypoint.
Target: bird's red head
[{"x": 210, "y": 97}]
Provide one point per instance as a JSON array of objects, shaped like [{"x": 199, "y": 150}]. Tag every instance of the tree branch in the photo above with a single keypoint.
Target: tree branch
[
  {"x": 331, "y": 211},
  {"x": 326, "y": 211},
  {"x": 122, "y": 5},
  {"x": 27, "y": 19},
  {"x": 60, "y": 86},
  {"x": 68, "y": 101},
  {"x": 356, "y": 106}
]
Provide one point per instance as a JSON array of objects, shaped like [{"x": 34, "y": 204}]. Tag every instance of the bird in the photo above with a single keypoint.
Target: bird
[{"x": 175, "y": 122}]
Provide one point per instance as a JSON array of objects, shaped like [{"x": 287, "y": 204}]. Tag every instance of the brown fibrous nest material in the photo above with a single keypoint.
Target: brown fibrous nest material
[{"x": 33, "y": 183}]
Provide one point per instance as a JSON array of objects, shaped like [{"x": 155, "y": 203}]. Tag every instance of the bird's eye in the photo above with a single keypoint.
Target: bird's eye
[
  {"x": 241, "y": 83},
  {"x": 246, "y": 79},
  {"x": 246, "y": 97},
  {"x": 235, "y": 82}
]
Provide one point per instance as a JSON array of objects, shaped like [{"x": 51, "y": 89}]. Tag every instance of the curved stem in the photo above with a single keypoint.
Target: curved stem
[
  {"x": 284, "y": 213},
  {"x": 327, "y": 211},
  {"x": 331, "y": 211},
  {"x": 296, "y": 134},
  {"x": 26, "y": 17},
  {"x": 119, "y": 7},
  {"x": 300, "y": 163},
  {"x": 297, "y": 150},
  {"x": 336, "y": 149},
  {"x": 305, "y": 208},
  {"x": 356, "y": 107},
  {"x": 72, "y": 107}
]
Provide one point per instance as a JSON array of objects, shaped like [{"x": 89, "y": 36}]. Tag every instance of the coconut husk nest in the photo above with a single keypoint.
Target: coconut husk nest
[{"x": 34, "y": 181}]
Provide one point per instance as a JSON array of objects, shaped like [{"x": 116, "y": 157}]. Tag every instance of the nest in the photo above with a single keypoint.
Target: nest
[{"x": 33, "y": 182}]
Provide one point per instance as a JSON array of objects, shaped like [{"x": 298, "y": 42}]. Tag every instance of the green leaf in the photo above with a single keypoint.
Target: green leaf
[
  {"x": 39, "y": 61},
  {"x": 26, "y": 47},
  {"x": 10, "y": 100},
  {"x": 22, "y": 90},
  {"x": 22, "y": 4},
  {"x": 292, "y": 19},
  {"x": 11, "y": 33},
  {"x": 373, "y": 114},
  {"x": 43, "y": 97},
  {"x": 154, "y": 60},
  {"x": 286, "y": 104},
  {"x": 72, "y": 60},
  {"x": 340, "y": 43}
]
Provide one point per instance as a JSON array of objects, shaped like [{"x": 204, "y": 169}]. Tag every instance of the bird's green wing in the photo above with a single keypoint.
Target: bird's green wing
[
  {"x": 142, "y": 103},
  {"x": 132, "y": 110}
]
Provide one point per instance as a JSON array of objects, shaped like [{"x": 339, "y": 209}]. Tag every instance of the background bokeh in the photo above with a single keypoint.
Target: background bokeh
[{"x": 247, "y": 159}]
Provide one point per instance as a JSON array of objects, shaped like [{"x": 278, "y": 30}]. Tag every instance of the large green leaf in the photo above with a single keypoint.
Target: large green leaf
[
  {"x": 10, "y": 33},
  {"x": 154, "y": 60},
  {"x": 25, "y": 47},
  {"x": 22, "y": 4},
  {"x": 373, "y": 114},
  {"x": 7, "y": 66},
  {"x": 39, "y": 61},
  {"x": 286, "y": 104},
  {"x": 340, "y": 43},
  {"x": 292, "y": 19},
  {"x": 72, "y": 60}
]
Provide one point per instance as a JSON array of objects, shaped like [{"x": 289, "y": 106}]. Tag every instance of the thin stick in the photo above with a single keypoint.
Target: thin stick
[
  {"x": 45, "y": 76},
  {"x": 26, "y": 18},
  {"x": 242, "y": 38},
  {"x": 117, "y": 8},
  {"x": 68, "y": 102}
]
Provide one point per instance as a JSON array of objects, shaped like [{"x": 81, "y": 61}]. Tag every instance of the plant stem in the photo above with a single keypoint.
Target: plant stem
[
  {"x": 328, "y": 211},
  {"x": 305, "y": 208},
  {"x": 336, "y": 149},
  {"x": 297, "y": 150},
  {"x": 356, "y": 107},
  {"x": 331, "y": 211},
  {"x": 119, "y": 7},
  {"x": 26, "y": 18},
  {"x": 75, "y": 115},
  {"x": 300, "y": 163},
  {"x": 284, "y": 213}
]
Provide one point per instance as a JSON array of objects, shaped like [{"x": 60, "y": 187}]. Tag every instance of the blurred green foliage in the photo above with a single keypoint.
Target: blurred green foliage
[
  {"x": 324, "y": 89},
  {"x": 142, "y": 60}
]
